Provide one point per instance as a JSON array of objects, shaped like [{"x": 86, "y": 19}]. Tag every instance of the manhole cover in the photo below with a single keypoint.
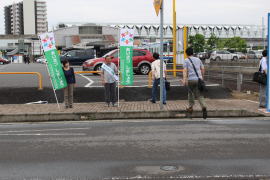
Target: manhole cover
[{"x": 169, "y": 168}]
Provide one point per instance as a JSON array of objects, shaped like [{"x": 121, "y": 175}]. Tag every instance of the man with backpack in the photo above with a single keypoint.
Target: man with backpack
[{"x": 192, "y": 75}]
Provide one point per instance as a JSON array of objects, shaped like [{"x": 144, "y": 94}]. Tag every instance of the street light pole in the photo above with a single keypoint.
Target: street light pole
[
  {"x": 161, "y": 54},
  {"x": 174, "y": 38},
  {"x": 263, "y": 33}
]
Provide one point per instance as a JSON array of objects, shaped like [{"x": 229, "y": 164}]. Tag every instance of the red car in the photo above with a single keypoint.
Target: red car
[
  {"x": 4, "y": 61},
  {"x": 142, "y": 60}
]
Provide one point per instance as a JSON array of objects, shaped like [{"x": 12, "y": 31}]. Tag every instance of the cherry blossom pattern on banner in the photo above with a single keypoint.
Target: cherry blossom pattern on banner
[{"x": 127, "y": 38}]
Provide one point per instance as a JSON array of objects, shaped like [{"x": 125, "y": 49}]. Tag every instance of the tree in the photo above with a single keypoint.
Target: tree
[
  {"x": 236, "y": 44},
  {"x": 212, "y": 42},
  {"x": 197, "y": 42}
]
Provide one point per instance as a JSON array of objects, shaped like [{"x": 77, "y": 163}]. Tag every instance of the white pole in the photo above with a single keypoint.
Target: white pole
[
  {"x": 118, "y": 68},
  {"x": 263, "y": 33},
  {"x": 118, "y": 78}
]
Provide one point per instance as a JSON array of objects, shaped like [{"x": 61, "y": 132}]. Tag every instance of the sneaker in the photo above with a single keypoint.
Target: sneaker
[
  {"x": 204, "y": 113},
  {"x": 70, "y": 106},
  {"x": 189, "y": 110},
  {"x": 152, "y": 101},
  {"x": 164, "y": 103},
  {"x": 261, "y": 106}
]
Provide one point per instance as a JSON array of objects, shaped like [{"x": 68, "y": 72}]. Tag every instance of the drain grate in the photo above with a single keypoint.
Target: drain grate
[{"x": 169, "y": 168}]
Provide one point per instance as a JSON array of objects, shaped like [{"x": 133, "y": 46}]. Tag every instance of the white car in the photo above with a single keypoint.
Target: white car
[
  {"x": 224, "y": 55},
  {"x": 41, "y": 60}
]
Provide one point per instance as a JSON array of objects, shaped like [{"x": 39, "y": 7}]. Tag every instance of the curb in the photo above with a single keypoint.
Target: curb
[{"x": 93, "y": 116}]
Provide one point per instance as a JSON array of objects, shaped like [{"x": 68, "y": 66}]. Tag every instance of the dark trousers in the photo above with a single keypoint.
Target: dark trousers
[
  {"x": 156, "y": 82},
  {"x": 110, "y": 92},
  {"x": 262, "y": 95},
  {"x": 68, "y": 95},
  {"x": 193, "y": 92}
]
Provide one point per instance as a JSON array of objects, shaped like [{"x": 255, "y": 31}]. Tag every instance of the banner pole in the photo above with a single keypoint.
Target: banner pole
[
  {"x": 50, "y": 76},
  {"x": 119, "y": 72},
  {"x": 118, "y": 78},
  {"x": 53, "y": 89}
]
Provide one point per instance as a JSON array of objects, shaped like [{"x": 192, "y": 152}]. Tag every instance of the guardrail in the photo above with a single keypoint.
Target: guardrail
[
  {"x": 40, "y": 84},
  {"x": 150, "y": 75}
]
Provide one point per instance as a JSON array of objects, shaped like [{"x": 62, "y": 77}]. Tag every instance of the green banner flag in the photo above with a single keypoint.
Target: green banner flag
[
  {"x": 53, "y": 61},
  {"x": 126, "y": 56}
]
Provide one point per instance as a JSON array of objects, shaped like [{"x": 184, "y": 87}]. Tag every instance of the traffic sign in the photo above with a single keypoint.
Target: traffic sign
[{"x": 157, "y": 5}]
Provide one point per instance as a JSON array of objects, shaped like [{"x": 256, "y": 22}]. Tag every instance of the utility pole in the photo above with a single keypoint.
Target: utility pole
[
  {"x": 159, "y": 7},
  {"x": 161, "y": 54},
  {"x": 174, "y": 38},
  {"x": 263, "y": 33}
]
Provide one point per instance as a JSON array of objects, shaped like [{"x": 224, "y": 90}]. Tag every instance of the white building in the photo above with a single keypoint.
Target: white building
[{"x": 28, "y": 17}]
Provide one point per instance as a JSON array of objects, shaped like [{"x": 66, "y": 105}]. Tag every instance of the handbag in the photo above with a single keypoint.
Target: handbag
[
  {"x": 201, "y": 83},
  {"x": 260, "y": 77},
  {"x": 167, "y": 85}
]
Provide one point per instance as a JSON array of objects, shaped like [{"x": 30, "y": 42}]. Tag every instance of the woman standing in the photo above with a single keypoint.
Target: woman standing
[{"x": 68, "y": 91}]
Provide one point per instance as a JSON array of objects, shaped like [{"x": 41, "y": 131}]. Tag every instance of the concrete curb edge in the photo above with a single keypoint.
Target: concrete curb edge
[{"x": 93, "y": 116}]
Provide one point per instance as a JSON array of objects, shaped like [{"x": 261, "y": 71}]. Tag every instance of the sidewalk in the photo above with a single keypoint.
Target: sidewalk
[{"x": 127, "y": 110}]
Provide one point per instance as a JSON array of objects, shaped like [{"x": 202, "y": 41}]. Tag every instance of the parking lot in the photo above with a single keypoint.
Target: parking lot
[{"x": 83, "y": 80}]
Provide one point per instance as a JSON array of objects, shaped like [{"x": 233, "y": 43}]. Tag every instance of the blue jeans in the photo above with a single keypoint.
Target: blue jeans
[
  {"x": 156, "y": 82},
  {"x": 262, "y": 95}
]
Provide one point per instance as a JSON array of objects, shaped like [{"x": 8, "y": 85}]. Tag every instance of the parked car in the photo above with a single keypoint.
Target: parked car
[
  {"x": 41, "y": 60},
  {"x": 223, "y": 55},
  {"x": 254, "y": 54},
  {"x": 78, "y": 56},
  {"x": 4, "y": 61},
  {"x": 203, "y": 55},
  {"x": 241, "y": 55},
  {"x": 259, "y": 54},
  {"x": 142, "y": 60}
]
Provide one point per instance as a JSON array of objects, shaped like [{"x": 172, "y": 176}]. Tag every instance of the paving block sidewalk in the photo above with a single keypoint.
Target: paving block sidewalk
[{"x": 126, "y": 110}]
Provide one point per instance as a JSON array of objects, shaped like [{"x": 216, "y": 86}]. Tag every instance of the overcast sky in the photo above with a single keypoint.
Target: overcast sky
[{"x": 142, "y": 11}]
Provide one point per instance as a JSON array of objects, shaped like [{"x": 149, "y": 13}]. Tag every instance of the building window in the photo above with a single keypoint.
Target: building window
[{"x": 90, "y": 30}]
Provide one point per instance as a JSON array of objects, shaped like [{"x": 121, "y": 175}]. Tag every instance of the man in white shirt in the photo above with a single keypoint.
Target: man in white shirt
[
  {"x": 156, "y": 78},
  {"x": 263, "y": 69}
]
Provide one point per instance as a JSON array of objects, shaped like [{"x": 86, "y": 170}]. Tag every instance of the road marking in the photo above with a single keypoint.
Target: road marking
[
  {"x": 252, "y": 101},
  {"x": 44, "y": 130},
  {"x": 32, "y": 134},
  {"x": 88, "y": 79}
]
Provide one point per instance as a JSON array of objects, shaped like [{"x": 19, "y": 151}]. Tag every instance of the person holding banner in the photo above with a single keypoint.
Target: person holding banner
[
  {"x": 109, "y": 79},
  {"x": 68, "y": 91},
  {"x": 155, "y": 66}
]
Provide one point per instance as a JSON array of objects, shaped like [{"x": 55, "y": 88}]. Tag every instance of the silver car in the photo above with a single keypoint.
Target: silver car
[{"x": 223, "y": 55}]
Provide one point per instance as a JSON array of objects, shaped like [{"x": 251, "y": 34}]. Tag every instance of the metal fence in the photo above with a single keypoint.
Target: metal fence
[{"x": 234, "y": 77}]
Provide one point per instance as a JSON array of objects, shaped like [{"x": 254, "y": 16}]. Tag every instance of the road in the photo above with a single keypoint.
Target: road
[
  {"x": 136, "y": 149},
  {"x": 83, "y": 80}
]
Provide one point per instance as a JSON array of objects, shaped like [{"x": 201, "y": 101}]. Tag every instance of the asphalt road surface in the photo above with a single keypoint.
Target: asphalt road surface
[
  {"x": 83, "y": 80},
  {"x": 191, "y": 149}
]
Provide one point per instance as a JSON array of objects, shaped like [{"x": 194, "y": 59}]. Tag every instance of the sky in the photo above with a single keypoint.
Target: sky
[{"x": 142, "y": 11}]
